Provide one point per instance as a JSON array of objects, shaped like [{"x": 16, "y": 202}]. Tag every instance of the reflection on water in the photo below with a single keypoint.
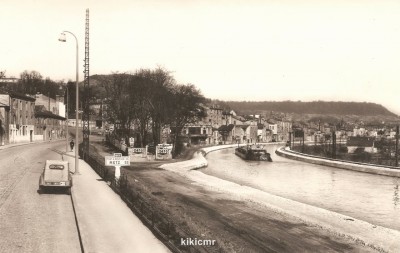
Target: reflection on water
[{"x": 368, "y": 197}]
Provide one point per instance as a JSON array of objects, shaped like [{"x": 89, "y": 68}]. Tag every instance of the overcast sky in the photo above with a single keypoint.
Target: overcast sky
[{"x": 334, "y": 50}]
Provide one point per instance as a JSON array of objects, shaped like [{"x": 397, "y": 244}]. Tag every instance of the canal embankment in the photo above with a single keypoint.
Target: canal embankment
[
  {"x": 355, "y": 166},
  {"x": 371, "y": 236},
  {"x": 198, "y": 160}
]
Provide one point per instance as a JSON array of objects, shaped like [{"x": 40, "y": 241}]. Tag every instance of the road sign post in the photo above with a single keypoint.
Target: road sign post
[
  {"x": 117, "y": 172},
  {"x": 117, "y": 160}
]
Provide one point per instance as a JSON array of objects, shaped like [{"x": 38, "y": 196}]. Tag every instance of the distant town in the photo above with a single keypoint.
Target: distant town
[{"x": 28, "y": 114}]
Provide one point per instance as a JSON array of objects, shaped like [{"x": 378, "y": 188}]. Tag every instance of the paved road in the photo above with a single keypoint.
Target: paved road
[{"x": 33, "y": 222}]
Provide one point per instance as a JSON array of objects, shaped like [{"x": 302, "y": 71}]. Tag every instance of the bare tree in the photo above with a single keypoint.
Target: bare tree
[
  {"x": 187, "y": 108},
  {"x": 30, "y": 82},
  {"x": 150, "y": 99},
  {"x": 159, "y": 85},
  {"x": 140, "y": 90},
  {"x": 118, "y": 100}
]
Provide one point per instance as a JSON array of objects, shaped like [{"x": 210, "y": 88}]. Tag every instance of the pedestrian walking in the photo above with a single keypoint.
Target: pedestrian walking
[{"x": 72, "y": 144}]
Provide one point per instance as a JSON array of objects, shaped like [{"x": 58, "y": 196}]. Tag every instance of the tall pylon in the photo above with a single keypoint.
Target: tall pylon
[{"x": 86, "y": 95}]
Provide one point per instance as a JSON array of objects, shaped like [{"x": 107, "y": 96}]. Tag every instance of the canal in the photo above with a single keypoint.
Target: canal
[{"x": 368, "y": 197}]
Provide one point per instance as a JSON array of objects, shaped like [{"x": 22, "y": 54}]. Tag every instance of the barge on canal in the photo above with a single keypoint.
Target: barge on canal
[{"x": 255, "y": 152}]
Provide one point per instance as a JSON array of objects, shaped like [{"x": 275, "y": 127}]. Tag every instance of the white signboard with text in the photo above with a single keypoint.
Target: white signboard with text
[{"x": 117, "y": 160}]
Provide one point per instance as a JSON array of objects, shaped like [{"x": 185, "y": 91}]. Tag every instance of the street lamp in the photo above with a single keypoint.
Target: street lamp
[
  {"x": 63, "y": 39},
  {"x": 66, "y": 117}
]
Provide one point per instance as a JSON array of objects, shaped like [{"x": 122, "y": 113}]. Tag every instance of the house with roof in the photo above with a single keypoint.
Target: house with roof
[
  {"x": 361, "y": 143},
  {"x": 264, "y": 134},
  {"x": 9, "y": 80},
  {"x": 228, "y": 117},
  {"x": 205, "y": 130},
  {"x": 359, "y": 131},
  {"x": 48, "y": 125},
  {"x": 227, "y": 134},
  {"x": 4, "y": 118},
  {"x": 17, "y": 118},
  {"x": 198, "y": 133},
  {"x": 249, "y": 133},
  {"x": 214, "y": 116},
  {"x": 284, "y": 128},
  {"x": 273, "y": 126}
]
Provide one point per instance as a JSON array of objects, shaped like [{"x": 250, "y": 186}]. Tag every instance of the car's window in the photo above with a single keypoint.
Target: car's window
[{"x": 56, "y": 167}]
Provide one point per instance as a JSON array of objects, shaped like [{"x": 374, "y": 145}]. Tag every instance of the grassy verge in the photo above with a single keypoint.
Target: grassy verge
[{"x": 159, "y": 208}]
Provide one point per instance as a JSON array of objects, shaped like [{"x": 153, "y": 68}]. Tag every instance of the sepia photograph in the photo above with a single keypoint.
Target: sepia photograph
[{"x": 188, "y": 126}]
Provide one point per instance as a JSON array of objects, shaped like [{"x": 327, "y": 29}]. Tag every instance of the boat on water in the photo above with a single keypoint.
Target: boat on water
[{"x": 255, "y": 152}]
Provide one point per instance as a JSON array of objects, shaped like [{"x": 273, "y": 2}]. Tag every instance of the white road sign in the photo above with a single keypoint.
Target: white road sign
[{"x": 117, "y": 160}]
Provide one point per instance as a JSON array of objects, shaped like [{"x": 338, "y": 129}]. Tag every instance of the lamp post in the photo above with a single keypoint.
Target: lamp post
[
  {"x": 66, "y": 120},
  {"x": 66, "y": 117},
  {"x": 63, "y": 39}
]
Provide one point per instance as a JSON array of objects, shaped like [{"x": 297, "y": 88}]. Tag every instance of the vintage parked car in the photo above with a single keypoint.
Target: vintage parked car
[{"x": 56, "y": 174}]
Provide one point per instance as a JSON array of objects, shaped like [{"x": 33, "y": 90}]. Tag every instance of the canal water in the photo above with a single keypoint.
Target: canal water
[{"x": 368, "y": 197}]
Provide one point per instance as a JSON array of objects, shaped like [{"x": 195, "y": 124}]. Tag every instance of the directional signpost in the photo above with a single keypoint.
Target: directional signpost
[{"x": 117, "y": 160}]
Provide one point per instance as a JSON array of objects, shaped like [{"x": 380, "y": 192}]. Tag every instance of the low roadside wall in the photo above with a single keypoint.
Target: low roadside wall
[{"x": 361, "y": 167}]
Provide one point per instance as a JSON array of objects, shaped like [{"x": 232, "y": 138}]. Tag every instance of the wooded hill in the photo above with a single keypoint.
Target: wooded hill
[{"x": 315, "y": 107}]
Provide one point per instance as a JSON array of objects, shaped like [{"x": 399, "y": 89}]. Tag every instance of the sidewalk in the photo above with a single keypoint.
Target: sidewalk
[
  {"x": 26, "y": 143},
  {"x": 106, "y": 223}
]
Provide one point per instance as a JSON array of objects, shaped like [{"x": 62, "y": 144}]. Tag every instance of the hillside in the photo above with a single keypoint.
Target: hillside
[
  {"x": 315, "y": 107},
  {"x": 339, "y": 110}
]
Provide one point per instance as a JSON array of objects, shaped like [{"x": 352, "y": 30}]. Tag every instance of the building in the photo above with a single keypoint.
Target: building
[
  {"x": 48, "y": 126},
  {"x": 214, "y": 117},
  {"x": 198, "y": 133},
  {"x": 9, "y": 80},
  {"x": 205, "y": 130},
  {"x": 55, "y": 106},
  {"x": 366, "y": 144},
  {"x": 264, "y": 134},
  {"x": 283, "y": 130},
  {"x": 4, "y": 118},
  {"x": 359, "y": 131},
  {"x": 227, "y": 134},
  {"x": 273, "y": 127},
  {"x": 249, "y": 133},
  {"x": 17, "y": 118}
]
